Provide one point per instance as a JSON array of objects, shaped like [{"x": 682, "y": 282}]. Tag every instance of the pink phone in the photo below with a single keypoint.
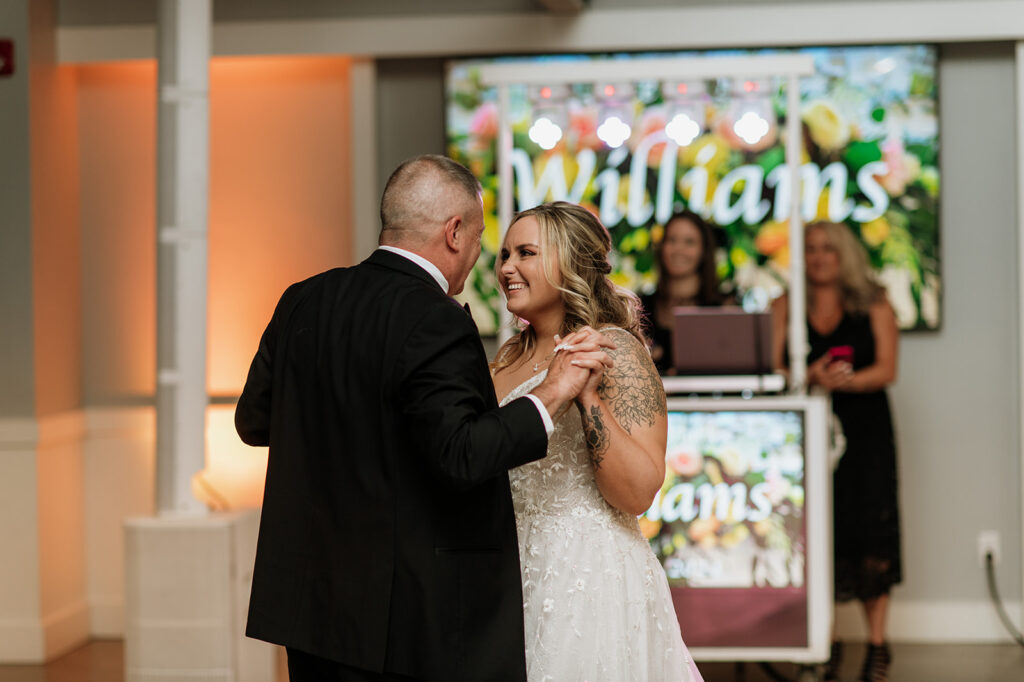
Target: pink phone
[{"x": 840, "y": 354}]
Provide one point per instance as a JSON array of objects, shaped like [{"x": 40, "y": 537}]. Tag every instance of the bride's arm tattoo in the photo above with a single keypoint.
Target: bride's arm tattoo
[
  {"x": 595, "y": 433},
  {"x": 632, "y": 388}
]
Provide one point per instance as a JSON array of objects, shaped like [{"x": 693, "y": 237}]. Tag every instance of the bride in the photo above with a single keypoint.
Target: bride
[{"x": 596, "y": 601}]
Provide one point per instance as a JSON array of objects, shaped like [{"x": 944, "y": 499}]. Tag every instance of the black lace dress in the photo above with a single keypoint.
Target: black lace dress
[{"x": 866, "y": 511}]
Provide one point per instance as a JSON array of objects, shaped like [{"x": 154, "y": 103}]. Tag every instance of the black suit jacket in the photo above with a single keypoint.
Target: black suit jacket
[{"x": 387, "y": 540}]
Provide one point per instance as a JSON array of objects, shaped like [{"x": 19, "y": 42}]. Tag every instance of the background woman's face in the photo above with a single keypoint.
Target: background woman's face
[
  {"x": 821, "y": 259},
  {"x": 681, "y": 249}
]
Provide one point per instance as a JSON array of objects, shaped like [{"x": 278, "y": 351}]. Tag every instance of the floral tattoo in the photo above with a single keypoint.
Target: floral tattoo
[{"x": 632, "y": 388}]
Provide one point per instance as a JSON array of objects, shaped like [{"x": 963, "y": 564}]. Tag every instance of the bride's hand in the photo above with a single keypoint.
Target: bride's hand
[{"x": 586, "y": 348}]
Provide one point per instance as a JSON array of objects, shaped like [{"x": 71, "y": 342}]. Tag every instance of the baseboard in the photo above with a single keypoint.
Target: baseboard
[
  {"x": 65, "y": 629},
  {"x": 964, "y": 622},
  {"x": 21, "y": 641},
  {"x": 19, "y": 433}
]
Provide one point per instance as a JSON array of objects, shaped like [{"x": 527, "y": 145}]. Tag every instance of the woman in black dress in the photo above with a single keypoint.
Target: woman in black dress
[
  {"x": 853, "y": 338},
  {"x": 687, "y": 276}
]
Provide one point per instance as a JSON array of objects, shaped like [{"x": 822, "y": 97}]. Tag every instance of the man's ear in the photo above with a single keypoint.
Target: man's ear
[{"x": 453, "y": 233}]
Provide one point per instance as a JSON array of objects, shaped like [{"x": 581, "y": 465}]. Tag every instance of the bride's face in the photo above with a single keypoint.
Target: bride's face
[{"x": 521, "y": 272}]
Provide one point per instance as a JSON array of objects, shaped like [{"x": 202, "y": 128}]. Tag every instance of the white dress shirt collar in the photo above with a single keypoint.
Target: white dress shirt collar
[{"x": 422, "y": 262}]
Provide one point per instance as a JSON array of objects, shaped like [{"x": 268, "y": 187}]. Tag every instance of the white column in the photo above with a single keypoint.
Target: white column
[
  {"x": 797, "y": 303},
  {"x": 506, "y": 190},
  {"x": 183, "y": 49}
]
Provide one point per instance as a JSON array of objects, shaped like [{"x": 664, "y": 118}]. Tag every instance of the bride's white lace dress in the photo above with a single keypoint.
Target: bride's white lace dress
[{"x": 596, "y": 601}]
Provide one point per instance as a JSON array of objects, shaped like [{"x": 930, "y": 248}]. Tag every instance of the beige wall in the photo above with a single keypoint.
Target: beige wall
[
  {"x": 279, "y": 194},
  {"x": 117, "y": 155},
  {"x": 279, "y": 209}
]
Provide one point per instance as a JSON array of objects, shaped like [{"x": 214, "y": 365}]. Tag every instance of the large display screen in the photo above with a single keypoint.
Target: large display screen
[
  {"x": 729, "y": 527},
  {"x": 715, "y": 146}
]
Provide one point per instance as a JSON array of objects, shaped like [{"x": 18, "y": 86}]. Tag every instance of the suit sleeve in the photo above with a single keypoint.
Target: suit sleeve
[
  {"x": 252, "y": 414},
  {"x": 448, "y": 402}
]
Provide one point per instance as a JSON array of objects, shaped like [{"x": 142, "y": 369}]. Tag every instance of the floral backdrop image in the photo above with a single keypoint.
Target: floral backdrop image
[
  {"x": 731, "y": 510},
  {"x": 634, "y": 153}
]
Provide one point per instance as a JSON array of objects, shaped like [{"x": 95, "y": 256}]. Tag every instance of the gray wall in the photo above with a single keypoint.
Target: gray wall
[
  {"x": 17, "y": 398},
  {"x": 410, "y": 112},
  {"x": 956, "y": 402}
]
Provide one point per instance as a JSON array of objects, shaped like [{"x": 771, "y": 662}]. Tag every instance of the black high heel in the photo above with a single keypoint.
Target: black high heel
[
  {"x": 876, "y": 664},
  {"x": 835, "y": 657}
]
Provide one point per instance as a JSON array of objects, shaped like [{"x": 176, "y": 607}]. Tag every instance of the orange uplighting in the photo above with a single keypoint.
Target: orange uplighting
[
  {"x": 681, "y": 88},
  {"x": 749, "y": 86},
  {"x": 609, "y": 90},
  {"x": 279, "y": 202},
  {"x": 545, "y": 92},
  {"x": 280, "y": 165},
  {"x": 234, "y": 473}
]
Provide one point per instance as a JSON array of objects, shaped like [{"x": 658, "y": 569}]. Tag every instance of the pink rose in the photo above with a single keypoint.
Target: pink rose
[
  {"x": 484, "y": 126},
  {"x": 686, "y": 463}
]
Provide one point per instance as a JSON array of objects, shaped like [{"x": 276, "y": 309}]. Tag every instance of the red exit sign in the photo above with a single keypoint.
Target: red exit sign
[{"x": 6, "y": 56}]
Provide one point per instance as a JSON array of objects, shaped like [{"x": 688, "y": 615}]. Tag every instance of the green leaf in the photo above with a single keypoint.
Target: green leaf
[{"x": 860, "y": 154}]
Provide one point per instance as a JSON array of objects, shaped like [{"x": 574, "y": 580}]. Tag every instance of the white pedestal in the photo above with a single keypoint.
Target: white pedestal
[{"x": 187, "y": 582}]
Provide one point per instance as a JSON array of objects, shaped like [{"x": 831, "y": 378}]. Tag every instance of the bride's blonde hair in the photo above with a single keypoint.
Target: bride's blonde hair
[{"x": 589, "y": 297}]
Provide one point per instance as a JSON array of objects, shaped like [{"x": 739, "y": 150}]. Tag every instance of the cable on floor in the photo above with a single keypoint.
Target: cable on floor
[{"x": 990, "y": 572}]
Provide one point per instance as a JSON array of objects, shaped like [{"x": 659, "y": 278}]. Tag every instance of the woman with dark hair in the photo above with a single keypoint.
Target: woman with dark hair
[
  {"x": 687, "y": 276},
  {"x": 596, "y": 601}
]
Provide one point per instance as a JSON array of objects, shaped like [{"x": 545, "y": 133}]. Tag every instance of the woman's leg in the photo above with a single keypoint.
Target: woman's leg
[{"x": 876, "y": 611}]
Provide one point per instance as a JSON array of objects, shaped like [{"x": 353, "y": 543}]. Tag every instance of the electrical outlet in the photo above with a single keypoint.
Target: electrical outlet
[{"x": 988, "y": 542}]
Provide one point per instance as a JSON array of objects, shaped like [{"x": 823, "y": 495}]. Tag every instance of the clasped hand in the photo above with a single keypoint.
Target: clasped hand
[
  {"x": 830, "y": 374},
  {"x": 579, "y": 362}
]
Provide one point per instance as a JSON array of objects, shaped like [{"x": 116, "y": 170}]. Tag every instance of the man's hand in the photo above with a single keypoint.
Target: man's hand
[{"x": 579, "y": 362}]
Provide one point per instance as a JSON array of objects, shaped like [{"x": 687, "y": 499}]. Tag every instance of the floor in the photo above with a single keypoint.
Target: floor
[{"x": 102, "y": 661}]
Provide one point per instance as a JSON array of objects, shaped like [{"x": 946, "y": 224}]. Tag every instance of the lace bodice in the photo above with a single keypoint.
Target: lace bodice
[{"x": 562, "y": 484}]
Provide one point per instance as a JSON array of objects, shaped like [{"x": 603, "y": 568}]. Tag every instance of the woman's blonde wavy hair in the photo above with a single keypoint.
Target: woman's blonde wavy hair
[
  {"x": 589, "y": 297},
  {"x": 859, "y": 291}
]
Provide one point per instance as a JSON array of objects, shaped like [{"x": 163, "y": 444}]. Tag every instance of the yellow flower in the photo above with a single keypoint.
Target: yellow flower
[
  {"x": 713, "y": 471},
  {"x": 491, "y": 238},
  {"x": 876, "y": 231},
  {"x": 822, "y": 211},
  {"x": 781, "y": 258},
  {"x": 735, "y": 535},
  {"x": 709, "y": 150},
  {"x": 772, "y": 237},
  {"x": 641, "y": 239},
  {"x": 620, "y": 279},
  {"x": 657, "y": 232},
  {"x": 649, "y": 528},
  {"x": 738, "y": 256},
  {"x": 827, "y": 127},
  {"x": 930, "y": 180}
]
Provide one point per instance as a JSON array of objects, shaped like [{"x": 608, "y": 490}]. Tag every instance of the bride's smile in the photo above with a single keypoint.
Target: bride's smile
[{"x": 522, "y": 273}]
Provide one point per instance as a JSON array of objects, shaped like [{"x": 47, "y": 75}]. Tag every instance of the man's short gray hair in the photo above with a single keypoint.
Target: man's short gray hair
[{"x": 423, "y": 192}]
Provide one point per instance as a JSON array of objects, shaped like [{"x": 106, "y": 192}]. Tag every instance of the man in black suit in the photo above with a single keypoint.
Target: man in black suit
[{"x": 387, "y": 546}]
